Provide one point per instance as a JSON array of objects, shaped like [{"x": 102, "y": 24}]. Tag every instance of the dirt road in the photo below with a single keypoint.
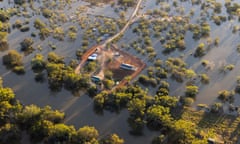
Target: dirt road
[{"x": 126, "y": 26}]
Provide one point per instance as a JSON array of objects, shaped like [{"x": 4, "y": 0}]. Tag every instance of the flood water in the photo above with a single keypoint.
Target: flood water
[{"x": 79, "y": 109}]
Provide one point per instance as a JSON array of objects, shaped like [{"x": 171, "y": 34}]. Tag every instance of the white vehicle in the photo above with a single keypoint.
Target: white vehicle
[{"x": 92, "y": 57}]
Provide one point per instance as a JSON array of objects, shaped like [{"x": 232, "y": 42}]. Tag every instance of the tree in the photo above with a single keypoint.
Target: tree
[
  {"x": 58, "y": 33},
  {"x": 217, "y": 108},
  {"x": 3, "y": 38},
  {"x": 40, "y": 130},
  {"x": 12, "y": 59},
  {"x": 26, "y": 45},
  {"x": 61, "y": 133},
  {"x": 38, "y": 24},
  {"x": 226, "y": 95},
  {"x": 136, "y": 107},
  {"x": 54, "y": 58},
  {"x": 72, "y": 81},
  {"x": 200, "y": 51},
  {"x": 100, "y": 99},
  {"x": 191, "y": 91},
  {"x": 112, "y": 139},
  {"x": 204, "y": 78},
  {"x": 54, "y": 116},
  {"x": 86, "y": 134},
  {"x": 183, "y": 132},
  {"x": 158, "y": 116},
  {"x": 166, "y": 101},
  {"x": 29, "y": 116},
  {"x": 6, "y": 94},
  {"x": 38, "y": 63},
  {"x": 108, "y": 83}
]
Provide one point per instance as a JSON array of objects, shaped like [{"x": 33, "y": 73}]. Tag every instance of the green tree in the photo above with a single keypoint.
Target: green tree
[
  {"x": 158, "y": 116},
  {"x": 6, "y": 94},
  {"x": 54, "y": 116},
  {"x": 38, "y": 63},
  {"x": 226, "y": 95},
  {"x": 87, "y": 134},
  {"x": 26, "y": 45},
  {"x": 112, "y": 139},
  {"x": 136, "y": 107},
  {"x": 191, "y": 91},
  {"x": 12, "y": 59},
  {"x": 61, "y": 133},
  {"x": 29, "y": 116},
  {"x": 39, "y": 24},
  {"x": 200, "y": 51},
  {"x": 183, "y": 132},
  {"x": 166, "y": 101},
  {"x": 54, "y": 58}
]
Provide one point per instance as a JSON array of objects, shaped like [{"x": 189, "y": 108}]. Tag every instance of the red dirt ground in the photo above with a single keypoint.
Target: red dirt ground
[{"x": 114, "y": 64}]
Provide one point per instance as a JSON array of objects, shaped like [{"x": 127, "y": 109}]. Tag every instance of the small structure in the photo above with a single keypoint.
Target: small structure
[
  {"x": 92, "y": 57},
  {"x": 96, "y": 79},
  {"x": 127, "y": 67}
]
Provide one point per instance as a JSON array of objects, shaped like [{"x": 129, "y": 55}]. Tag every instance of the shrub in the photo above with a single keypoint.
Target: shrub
[
  {"x": 200, "y": 51},
  {"x": 204, "y": 78},
  {"x": 225, "y": 95},
  {"x": 19, "y": 69},
  {"x": 26, "y": 45},
  {"x": 217, "y": 108},
  {"x": 24, "y": 29},
  {"x": 191, "y": 91},
  {"x": 187, "y": 101},
  {"x": 12, "y": 59}
]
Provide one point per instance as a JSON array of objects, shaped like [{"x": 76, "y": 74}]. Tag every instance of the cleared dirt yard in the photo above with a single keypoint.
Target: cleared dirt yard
[{"x": 110, "y": 59}]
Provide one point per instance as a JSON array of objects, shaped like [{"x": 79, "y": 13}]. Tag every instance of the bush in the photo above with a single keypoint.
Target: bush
[
  {"x": 187, "y": 101},
  {"x": 200, "y": 51},
  {"x": 225, "y": 95},
  {"x": 204, "y": 78},
  {"x": 191, "y": 91},
  {"x": 24, "y": 29},
  {"x": 26, "y": 45},
  {"x": 217, "y": 108},
  {"x": 19, "y": 69},
  {"x": 108, "y": 83},
  {"x": 12, "y": 59}
]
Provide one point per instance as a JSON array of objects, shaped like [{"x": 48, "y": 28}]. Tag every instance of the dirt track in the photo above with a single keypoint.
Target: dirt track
[
  {"x": 85, "y": 57},
  {"x": 137, "y": 62}
]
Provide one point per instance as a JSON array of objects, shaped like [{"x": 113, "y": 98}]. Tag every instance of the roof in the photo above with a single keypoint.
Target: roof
[{"x": 127, "y": 66}]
